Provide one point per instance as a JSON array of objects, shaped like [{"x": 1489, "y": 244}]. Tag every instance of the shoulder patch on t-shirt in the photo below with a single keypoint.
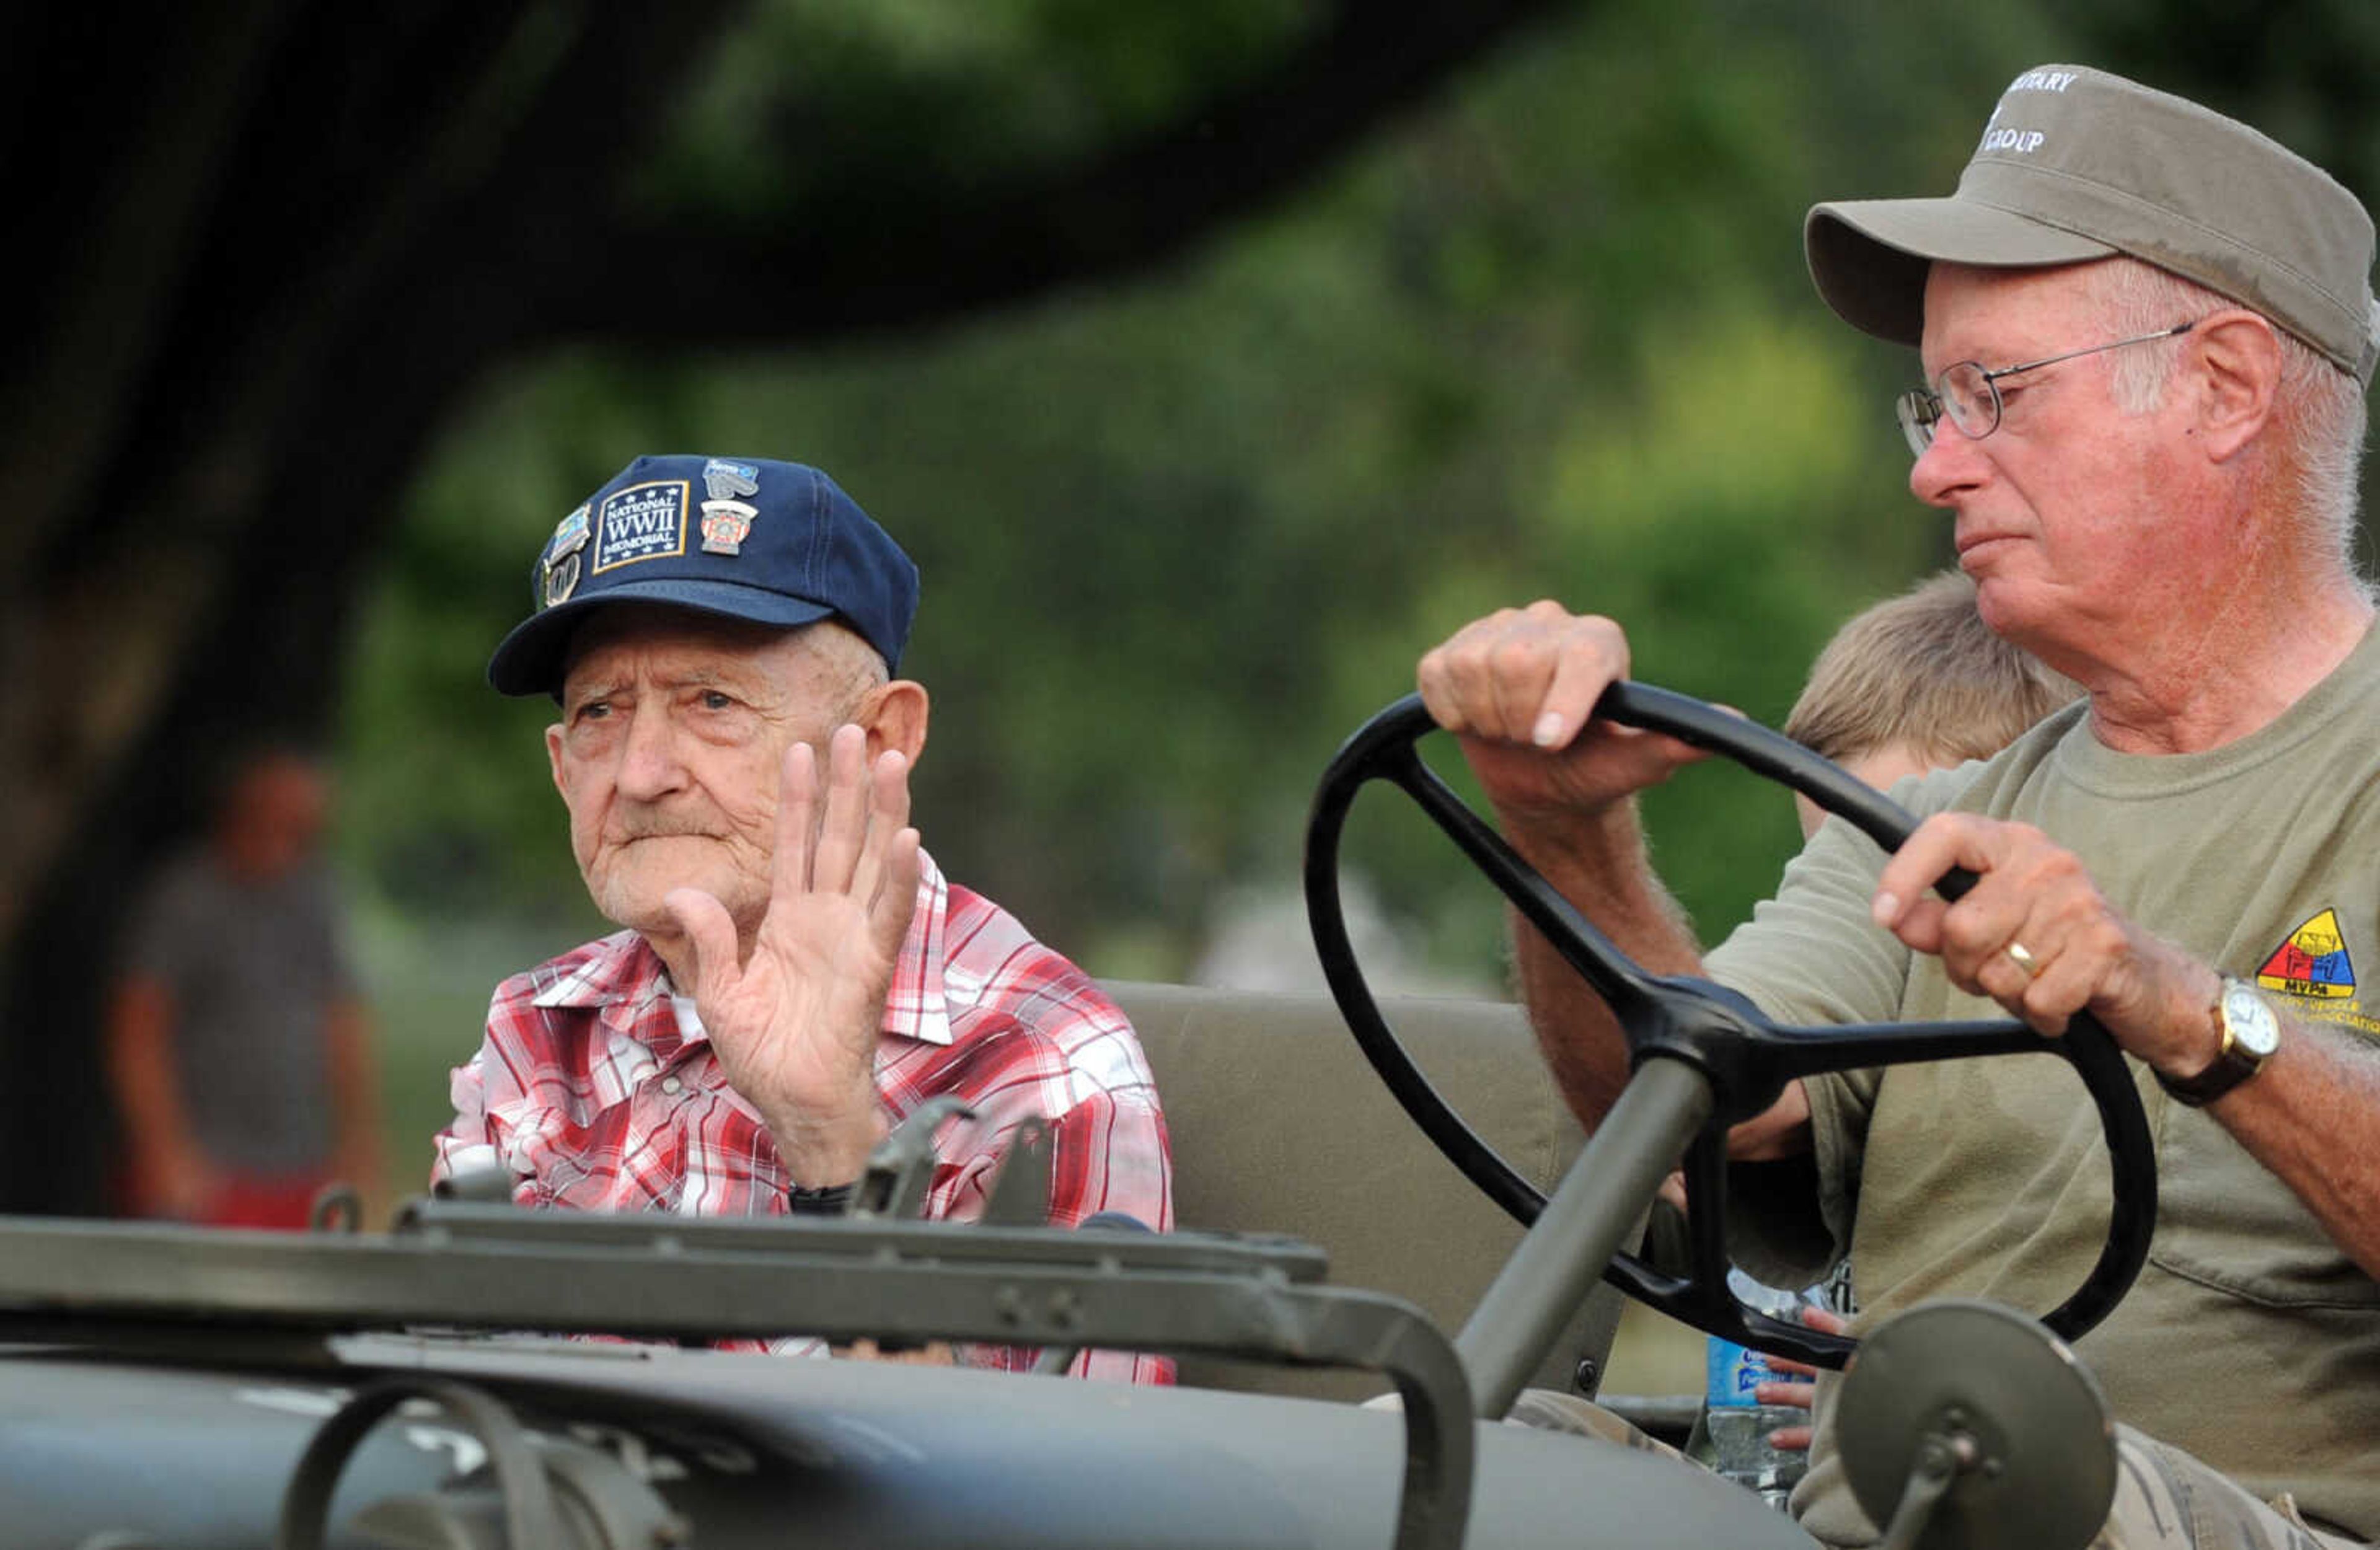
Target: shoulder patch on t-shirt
[{"x": 2314, "y": 961}]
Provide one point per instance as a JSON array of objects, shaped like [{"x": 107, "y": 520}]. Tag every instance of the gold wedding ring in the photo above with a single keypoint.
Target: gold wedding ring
[{"x": 2023, "y": 959}]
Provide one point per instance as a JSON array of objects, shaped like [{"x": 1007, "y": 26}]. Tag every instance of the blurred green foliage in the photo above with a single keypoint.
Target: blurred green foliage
[
  {"x": 1550, "y": 337},
  {"x": 826, "y": 96}
]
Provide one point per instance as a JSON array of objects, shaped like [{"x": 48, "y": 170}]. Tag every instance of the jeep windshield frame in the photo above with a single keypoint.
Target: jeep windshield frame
[{"x": 174, "y": 1292}]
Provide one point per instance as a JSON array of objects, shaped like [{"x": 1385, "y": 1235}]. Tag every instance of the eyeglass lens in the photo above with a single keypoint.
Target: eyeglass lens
[
  {"x": 1965, "y": 392},
  {"x": 1917, "y": 410}
]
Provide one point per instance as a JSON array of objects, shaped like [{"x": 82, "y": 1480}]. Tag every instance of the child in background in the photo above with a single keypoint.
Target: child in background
[
  {"x": 1913, "y": 684},
  {"x": 1917, "y": 683}
]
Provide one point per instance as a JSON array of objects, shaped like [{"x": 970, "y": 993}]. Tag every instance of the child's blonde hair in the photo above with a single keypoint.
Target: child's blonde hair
[{"x": 1921, "y": 672}]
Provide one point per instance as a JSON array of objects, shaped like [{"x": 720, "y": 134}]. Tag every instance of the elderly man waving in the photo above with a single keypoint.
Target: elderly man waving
[
  {"x": 2145, "y": 332},
  {"x": 794, "y": 974}
]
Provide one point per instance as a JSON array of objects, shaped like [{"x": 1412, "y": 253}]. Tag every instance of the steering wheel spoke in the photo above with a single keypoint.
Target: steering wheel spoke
[
  {"x": 1746, "y": 1059},
  {"x": 1593, "y": 956}
]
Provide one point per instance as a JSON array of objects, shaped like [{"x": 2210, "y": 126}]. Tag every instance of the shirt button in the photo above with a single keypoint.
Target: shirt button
[{"x": 670, "y": 1085}]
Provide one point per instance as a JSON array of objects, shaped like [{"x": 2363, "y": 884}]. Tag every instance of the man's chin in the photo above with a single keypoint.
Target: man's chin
[
  {"x": 2004, "y": 604},
  {"x": 634, "y": 898},
  {"x": 643, "y": 916}
]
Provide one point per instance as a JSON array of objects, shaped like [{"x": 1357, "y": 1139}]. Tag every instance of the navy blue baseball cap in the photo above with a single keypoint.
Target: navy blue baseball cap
[{"x": 745, "y": 538}]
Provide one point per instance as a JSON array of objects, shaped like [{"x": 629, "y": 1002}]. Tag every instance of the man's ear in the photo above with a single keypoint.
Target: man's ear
[
  {"x": 893, "y": 715},
  {"x": 2240, "y": 359},
  {"x": 553, "y": 757}
]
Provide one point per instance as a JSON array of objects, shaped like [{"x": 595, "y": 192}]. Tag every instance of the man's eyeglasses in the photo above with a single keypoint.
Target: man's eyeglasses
[{"x": 1971, "y": 395}]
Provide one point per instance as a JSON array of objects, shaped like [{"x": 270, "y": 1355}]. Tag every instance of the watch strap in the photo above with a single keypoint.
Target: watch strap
[
  {"x": 832, "y": 1200},
  {"x": 2232, "y": 1064}
]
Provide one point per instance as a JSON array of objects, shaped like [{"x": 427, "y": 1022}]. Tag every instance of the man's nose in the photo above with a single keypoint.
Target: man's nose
[
  {"x": 1950, "y": 465},
  {"x": 650, "y": 764}
]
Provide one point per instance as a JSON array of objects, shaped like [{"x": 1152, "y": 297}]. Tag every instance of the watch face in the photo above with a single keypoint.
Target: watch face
[{"x": 2251, "y": 1020}]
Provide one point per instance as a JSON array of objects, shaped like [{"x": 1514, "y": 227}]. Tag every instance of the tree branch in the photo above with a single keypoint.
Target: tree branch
[{"x": 929, "y": 250}]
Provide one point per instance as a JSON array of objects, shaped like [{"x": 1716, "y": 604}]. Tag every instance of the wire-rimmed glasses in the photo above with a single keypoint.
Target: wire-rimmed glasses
[{"x": 1970, "y": 394}]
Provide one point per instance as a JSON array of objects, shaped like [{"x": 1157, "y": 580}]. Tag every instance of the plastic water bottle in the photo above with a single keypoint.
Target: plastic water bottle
[{"x": 1736, "y": 1424}]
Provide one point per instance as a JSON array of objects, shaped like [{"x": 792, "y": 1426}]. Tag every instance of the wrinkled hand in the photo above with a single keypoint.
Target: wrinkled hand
[
  {"x": 1517, "y": 688},
  {"x": 1803, "y": 1391},
  {"x": 2149, "y": 994},
  {"x": 795, "y": 1025}
]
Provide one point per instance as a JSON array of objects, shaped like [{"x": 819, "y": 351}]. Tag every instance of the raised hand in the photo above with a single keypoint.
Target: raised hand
[{"x": 794, "y": 1024}]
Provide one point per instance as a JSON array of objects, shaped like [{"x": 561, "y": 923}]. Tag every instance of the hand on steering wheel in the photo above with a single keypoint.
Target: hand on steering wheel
[{"x": 1747, "y": 1059}]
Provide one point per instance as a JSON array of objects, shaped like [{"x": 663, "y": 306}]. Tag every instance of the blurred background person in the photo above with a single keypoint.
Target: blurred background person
[{"x": 238, "y": 1048}]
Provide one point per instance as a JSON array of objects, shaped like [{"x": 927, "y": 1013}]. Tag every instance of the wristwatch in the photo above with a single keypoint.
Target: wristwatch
[{"x": 2250, "y": 1033}]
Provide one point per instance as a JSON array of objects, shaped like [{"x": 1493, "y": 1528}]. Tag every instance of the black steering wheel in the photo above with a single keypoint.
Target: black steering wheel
[{"x": 1747, "y": 1059}]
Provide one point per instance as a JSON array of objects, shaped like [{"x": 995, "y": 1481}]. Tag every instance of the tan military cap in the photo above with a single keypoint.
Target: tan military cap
[{"x": 2076, "y": 164}]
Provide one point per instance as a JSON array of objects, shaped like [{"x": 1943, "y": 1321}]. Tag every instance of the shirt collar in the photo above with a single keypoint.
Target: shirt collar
[
  {"x": 622, "y": 968},
  {"x": 918, "y": 1004}
]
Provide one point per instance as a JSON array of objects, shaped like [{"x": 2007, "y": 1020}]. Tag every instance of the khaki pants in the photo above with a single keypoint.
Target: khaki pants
[{"x": 2165, "y": 1498}]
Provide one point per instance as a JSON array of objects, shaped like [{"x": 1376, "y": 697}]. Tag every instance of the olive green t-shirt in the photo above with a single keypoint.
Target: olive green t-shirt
[{"x": 2249, "y": 1339}]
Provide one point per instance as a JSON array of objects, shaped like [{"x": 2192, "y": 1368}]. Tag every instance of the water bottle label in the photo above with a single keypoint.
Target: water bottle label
[{"x": 1734, "y": 1372}]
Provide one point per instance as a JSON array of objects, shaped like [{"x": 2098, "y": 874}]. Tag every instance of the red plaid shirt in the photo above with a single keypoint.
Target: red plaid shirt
[{"x": 596, "y": 1088}]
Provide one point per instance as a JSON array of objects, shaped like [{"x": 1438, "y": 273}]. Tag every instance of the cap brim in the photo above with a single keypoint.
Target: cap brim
[
  {"x": 530, "y": 660},
  {"x": 1869, "y": 256}
]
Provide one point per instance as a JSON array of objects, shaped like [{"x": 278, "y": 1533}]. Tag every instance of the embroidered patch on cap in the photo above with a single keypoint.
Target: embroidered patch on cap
[
  {"x": 726, "y": 480},
  {"x": 2314, "y": 961},
  {"x": 561, "y": 579},
  {"x": 727, "y": 520},
  {"x": 559, "y": 566},
  {"x": 641, "y": 522},
  {"x": 569, "y": 536},
  {"x": 725, "y": 525}
]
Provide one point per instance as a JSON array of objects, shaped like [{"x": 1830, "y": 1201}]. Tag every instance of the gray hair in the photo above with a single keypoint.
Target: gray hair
[
  {"x": 2318, "y": 411},
  {"x": 848, "y": 668}
]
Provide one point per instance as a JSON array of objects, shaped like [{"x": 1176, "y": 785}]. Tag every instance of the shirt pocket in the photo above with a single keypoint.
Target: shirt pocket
[
  {"x": 593, "y": 1162},
  {"x": 2225, "y": 1221}
]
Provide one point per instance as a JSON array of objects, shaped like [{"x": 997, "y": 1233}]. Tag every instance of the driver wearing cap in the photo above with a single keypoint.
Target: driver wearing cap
[
  {"x": 793, "y": 975},
  {"x": 2145, "y": 333}
]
